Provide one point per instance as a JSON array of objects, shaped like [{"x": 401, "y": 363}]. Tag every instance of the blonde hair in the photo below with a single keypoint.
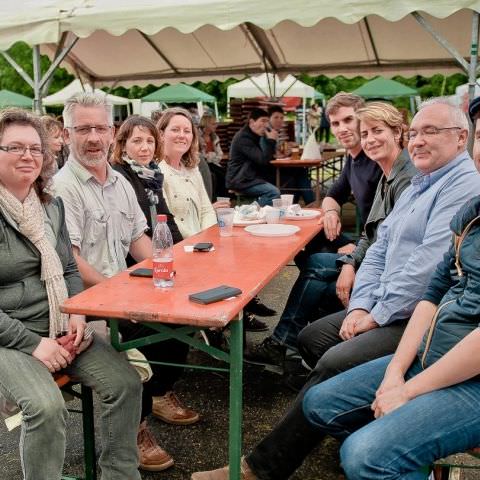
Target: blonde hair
[
  {"x": 386, "y": 113},
  {"x": 190, "y": 158}
]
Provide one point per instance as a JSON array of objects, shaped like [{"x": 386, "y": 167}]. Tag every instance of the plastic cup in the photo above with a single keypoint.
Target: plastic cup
[
  {"x": 287, "y": 200},
  {"x": 278, "y": 204},
  {"x": 225, "y": 221},
  {"x": 272, "y": 215}
]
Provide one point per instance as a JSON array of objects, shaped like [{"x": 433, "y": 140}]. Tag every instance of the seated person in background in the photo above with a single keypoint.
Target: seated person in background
[
  {"x": 56, "y": 143},
  {"x": 390, "y": 282},
  {"x": 248, "y": 170},
  {"x": 183, "y": 187},
  {"x": 38, "y": 273},
  {"x": 103, "y": 217},
  {"x": 211, "y": 152},
  {"x": 359, "y": 176},
  {"x": 319, "y": 285},
  {"x": 135, "y": 156},
  {"x": 420, "y": 404},
  {"x": 298, "y": 178}
]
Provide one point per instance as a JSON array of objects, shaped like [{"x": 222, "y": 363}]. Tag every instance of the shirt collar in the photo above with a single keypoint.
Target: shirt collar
[
  {"x": 84, "y": 175},
  {"x": 423, "y": 181}
]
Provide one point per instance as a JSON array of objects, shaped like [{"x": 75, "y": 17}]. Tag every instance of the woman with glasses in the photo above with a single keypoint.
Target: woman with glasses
[{"x": 38, "y": 273}]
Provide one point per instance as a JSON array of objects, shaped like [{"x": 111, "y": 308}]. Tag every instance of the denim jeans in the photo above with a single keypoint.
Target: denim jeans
[
  {"x": 313, "y": 290},
  {"x": 265, "y": 193},
  {"x": 399, "y": 444},
  {"x": 297, "y": 179},
  {"x": 27, "y": 382}
]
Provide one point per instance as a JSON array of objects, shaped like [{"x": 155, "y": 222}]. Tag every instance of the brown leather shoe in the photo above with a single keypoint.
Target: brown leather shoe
[
  {"x": 222, "y": 473},
  {"x": 169, "y": 409},
  {"x": 151, "y": 456}
]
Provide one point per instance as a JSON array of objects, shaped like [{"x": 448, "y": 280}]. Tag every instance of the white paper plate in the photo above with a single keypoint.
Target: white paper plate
[
  {"x": 272, "y": 230},
  {"x": 243, "y": 223},
  {"x": 303, "y": 215}
]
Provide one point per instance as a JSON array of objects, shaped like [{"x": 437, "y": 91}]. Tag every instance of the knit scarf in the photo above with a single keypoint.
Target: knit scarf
[
  {"x": 29, "y": 217},
  {"x": 150, "y": 176}
]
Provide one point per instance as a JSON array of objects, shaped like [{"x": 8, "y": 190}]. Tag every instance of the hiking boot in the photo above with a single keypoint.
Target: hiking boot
[
  {"x": 269, "y": 352},
  {"x": 258, "y": 308},
  {"x": 253, "y": 324},
  {"x": 222, "y": 473},
  {"x": 170, "y": 409},
  {"x": 151, "y": 456}
]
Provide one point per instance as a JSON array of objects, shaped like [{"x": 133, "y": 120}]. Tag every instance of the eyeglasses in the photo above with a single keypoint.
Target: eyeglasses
[
  {"x": 86, "y": 129},
  {"x": 429, "y": 131},
  {"x": 21, "y": 150}
]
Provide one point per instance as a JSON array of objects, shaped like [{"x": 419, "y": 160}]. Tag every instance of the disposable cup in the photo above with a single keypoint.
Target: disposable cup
[
  {"x": 278, "y": 204},
  {"x": 272, "y": 215},
  {"x": 287, "y": 200},
  {"x": 225, "y": 221}
]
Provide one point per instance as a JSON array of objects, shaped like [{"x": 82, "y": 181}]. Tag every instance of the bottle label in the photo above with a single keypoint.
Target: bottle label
[{"x": 163, "y": 269}]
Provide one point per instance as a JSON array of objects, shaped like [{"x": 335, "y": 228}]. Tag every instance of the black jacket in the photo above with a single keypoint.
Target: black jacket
[
  {"x": 144, "y": 203},
  {"x": 248, "y": 163}
]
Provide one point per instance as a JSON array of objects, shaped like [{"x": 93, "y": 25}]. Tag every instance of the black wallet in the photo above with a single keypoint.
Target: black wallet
[
  {"x": 141, "y": 272},
  {"x": 214, "y": 294}
]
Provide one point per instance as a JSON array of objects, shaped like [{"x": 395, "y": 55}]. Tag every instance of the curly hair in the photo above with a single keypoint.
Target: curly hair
[
  {"x": 189, "y": 159},
  {"x": 12, "y": 117},
  {"x": 386, "y": 113},
  {"x": 125, "y": 132}
]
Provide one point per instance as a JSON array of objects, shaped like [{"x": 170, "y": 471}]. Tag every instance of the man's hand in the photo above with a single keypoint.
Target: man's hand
[
  {"x": 345, "y": 283},
  {"x": 346, "y": 249},
  {"x": 348, "y": 326},
  {"x": 52, "y": 355},
  {"x": 332, "y": 224},
  {"x": 77, "y": 325},
  {"x": 390, "y": 400},
  {"x": 364, "y": 324},
  {"x": 271, "y": 134}
]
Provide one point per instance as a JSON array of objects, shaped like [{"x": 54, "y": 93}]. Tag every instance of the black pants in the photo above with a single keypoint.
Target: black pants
[
  {"x": 285, "y": 448},
  {"x": 163, "y": 377},
  {"x": 218, "y": 180}
]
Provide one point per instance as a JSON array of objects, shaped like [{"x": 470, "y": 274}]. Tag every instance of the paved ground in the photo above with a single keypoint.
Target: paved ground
[{"x": 204, "y": 446}]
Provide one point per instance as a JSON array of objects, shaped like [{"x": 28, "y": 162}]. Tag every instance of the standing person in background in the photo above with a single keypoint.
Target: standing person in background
[
  {"x": 184, "y": 189},
  {"x": 135, "y": 156},
  {"x": 324, "y": 127},
  {"x": 211, "y": 152},
  {"x": 103, "y": 217}
]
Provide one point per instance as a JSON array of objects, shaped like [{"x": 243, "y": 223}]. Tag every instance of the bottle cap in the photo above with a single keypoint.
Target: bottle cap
[{"x": 161, "y": 218}]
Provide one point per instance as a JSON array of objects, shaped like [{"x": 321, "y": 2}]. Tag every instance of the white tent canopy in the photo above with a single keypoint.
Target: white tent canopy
[
  {"x": 61, "y": 96},
  {"x": 269, "y": 85},
  {"x": 120, "y": 42}
]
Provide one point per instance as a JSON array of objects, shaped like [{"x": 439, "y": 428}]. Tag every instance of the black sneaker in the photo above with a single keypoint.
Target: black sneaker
[
  {"x": 258, "y": 308},
  {"x": 269, "y": 352},
  {"x": 253, "y": 324}
]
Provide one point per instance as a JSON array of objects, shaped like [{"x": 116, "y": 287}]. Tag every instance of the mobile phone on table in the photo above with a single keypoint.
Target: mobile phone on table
[
  {"x": 202, "y": 247},
  {"x": 141, "y": 272},
  {"x": 214, "y": 294}
]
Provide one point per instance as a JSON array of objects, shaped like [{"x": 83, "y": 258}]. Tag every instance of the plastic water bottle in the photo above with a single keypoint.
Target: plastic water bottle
[{"x": 162, "y": 254}]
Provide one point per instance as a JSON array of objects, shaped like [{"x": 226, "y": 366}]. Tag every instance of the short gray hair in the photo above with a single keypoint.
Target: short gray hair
[
  {"x": 457, "y": 115},
  {"x": 86, "y": 99}
]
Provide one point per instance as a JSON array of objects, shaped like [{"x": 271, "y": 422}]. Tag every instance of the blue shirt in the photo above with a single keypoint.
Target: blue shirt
[{"x": 411, "y": 241}]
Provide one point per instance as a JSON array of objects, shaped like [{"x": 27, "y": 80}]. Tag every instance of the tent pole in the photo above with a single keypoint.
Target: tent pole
[
  {"x": 215, "y": 106},
  {"x": 37, "y": 76},
  {"x": 18, "y": 68},
  {"x": 304, "y": 121},
  {"x": 472, "y": 70}
]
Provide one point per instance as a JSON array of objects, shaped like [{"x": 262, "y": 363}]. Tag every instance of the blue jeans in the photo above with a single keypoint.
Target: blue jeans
[
  {"x": 26, "y": 382},
  {"x": 265, "y": 193},
  {"x": 314, "y": 289},
  {"x": 398, "y": 445}
]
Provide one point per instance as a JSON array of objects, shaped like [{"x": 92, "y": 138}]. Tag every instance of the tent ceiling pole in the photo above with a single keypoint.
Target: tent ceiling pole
[
  {"x": 158, "y": 52},
  {"x": 372, "y": 42},
  {"x": 442, "y": 41},
  {"x": 47, "y": 78},
  {"x": 258, "y": 50},
  {"x": 18, "y": 68},
  {"x": 37, "y": 76},
  {"x": 264, "y": 44},
  {"x": 472, "y": 71}
]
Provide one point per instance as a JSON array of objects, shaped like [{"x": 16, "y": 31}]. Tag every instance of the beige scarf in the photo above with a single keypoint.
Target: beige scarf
[{"x": 29, "y": 216}]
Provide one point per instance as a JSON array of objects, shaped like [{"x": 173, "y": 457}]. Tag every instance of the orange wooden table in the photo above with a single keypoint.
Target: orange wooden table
[
  {"x": 291, "y": 163},
  {"x": 242, "y": 261}
]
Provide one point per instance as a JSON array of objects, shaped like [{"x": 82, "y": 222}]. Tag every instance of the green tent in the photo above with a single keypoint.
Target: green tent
[
  {"x": 12, "y": 99},
  {"x": 179, "y": 93},
  {"x": 383, "y": 88}
]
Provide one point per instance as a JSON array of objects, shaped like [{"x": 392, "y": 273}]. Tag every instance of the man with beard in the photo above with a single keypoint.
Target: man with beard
[{"x": 103, "y": 216}]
